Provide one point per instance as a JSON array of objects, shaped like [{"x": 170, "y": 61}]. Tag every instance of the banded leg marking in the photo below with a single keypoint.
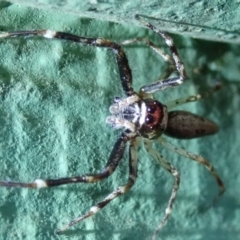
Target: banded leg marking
[
  {"x": 165, "y": 164},
  {"x": 122, "y": 61},
  {"x": 114, "y": 159},
  {"x": 170, "y": 82},
  {"x": 166, "y": 57},
  {"x": 193, "y": 98},
  {"x": 133, "y": 162},
  {"x": 156, "y": 49},
  {"x": 196, "y": 158}
]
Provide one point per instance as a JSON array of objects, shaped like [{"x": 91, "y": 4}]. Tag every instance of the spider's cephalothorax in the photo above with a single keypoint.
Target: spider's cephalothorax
[
  {"x": 141, "y": 117},
  {"x": 153, "y": 121}
]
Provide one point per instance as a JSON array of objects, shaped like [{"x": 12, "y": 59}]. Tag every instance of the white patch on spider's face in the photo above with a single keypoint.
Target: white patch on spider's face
[
  {"x": 136, "y": 113},
  {"x": 49, "y": 34},
  {"x": 143, "y": 113},
  {"x": 40, "y": 183}
]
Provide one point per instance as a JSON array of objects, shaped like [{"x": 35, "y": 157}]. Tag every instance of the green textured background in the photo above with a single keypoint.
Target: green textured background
[{"x": 54, "y": 100}]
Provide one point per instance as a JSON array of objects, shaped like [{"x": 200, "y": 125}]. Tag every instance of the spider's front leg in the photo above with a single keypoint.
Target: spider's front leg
[
  {"x": 122, "y": 61},
  {"x": 133, "y": 163},
  {"x": 115, "y": 157}
]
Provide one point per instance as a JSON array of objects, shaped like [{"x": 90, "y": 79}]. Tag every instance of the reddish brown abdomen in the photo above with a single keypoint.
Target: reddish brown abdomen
[{"x": 186, "y": 125}]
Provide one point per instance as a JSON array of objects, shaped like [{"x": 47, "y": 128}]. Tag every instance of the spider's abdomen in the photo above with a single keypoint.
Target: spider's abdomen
[
  {"x": 186, "y": 125},
  {"x": 153, "y": 119}
]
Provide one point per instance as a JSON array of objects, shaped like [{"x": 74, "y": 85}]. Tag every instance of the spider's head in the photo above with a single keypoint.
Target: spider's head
[
  {"x": 144, "y": 117},
  {"x": 153, "y": 119}
]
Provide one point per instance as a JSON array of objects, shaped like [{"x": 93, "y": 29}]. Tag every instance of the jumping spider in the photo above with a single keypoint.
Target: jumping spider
[{"x": 143, "y": 119}]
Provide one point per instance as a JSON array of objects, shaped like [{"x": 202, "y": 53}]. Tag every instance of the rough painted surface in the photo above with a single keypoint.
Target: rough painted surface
[
  {"x": 54, "y": 100},
  {"x": 215, "y": 20}
]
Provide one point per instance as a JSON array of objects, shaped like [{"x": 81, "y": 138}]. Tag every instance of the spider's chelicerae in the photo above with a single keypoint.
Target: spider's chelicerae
[{"x": 143, "y": 119}]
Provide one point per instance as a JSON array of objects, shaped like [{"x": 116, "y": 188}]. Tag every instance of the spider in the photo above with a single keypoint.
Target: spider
[{"x": 143, "y": 118}]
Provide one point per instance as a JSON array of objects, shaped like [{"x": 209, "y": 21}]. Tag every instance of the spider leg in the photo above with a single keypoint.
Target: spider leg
[
  {"x": 122, "y": 61},
  {"x": 197, "y": 158},
  {"x": 165, "y": 164},
  {"x": 193, "y": 98},
  {"x": 150, "y": 44},
  {"x": 133, "y": 162},
  {"x": 166, "y": 57},
  {"x": 169, "y": 82},
  {"x": 114, "y": 159}
]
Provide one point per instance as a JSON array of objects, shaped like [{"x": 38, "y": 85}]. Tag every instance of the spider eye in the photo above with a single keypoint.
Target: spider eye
[
  {"x": 151, "y": 109},
  {"x": 149, "y": 119}
]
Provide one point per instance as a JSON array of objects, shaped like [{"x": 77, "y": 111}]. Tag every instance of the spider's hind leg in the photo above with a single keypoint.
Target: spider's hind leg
[
  {"x": 197, "y": 158},
  {"x": 165, "y": 164}
]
